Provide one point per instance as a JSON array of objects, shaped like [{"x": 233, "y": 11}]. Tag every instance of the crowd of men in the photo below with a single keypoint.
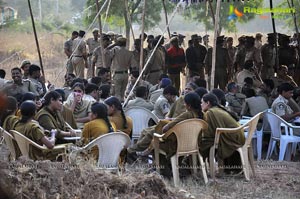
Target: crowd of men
[{"x": 245, "y": 74}]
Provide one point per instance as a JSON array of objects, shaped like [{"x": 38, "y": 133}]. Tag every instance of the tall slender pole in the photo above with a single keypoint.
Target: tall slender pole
[
  {"x": 166, "y": 17},
  {"x": 100, "y": 33},
  {"x": 216, "y": 33},
  {"x": 212, "y": 11},
  {"x": 36, "y": 38},
  {"x": 37, "y": 46},
  {"x": 129, "y": 18},
  {"x": 142, "y": 37},
  {"x": 274, "y": 31},
  {"x": 40, "y": 9}
]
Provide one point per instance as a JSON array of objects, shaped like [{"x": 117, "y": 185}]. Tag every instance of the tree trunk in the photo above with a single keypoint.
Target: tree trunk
[{"x": 127, "y": 28}]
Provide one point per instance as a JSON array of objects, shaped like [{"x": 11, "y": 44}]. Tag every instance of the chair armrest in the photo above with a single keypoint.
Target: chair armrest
[
  {"x": 158, "y": 135},
  {"x": 61, "y": 146}
]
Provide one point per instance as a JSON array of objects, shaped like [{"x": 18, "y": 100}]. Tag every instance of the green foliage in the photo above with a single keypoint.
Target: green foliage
[
  {"x": 288, "y": 18},
  {"x": 117, "y": 12},
  {"x": 198, "y": 12}
]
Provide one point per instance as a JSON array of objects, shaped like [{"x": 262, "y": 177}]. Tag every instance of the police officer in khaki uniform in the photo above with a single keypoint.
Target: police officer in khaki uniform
[
  {"x": 268, "y": 54},
  {"x": 280, "y": 105},
  {"x": 97, "y": 60},
  {"x": 231, "y": 52},
  {"x": 253, "y": 53},
  {"x": 79, "y": 58},
  {"x": 283, "y": 77},
  {"x": 37, "y": 80},
  {"x": 92, "y": 44},
  {"x": 17, "y": 87},
  {"x": 155, "y": 65},
  {"x": 68, "y": 51},
  {"x": 251, "y": 72},
  {"x": 122, "y": 60},
  {"x": 25, "y": 67},
  {"x": 195, "y": 57},
  {"x": 234, "y": 98}
]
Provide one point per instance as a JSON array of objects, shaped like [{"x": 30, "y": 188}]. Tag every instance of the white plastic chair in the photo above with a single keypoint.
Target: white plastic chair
[
  {"x": 245, "y": 154},
  {"x": 276, "y": 123},
  {"x": 140, "y": 119},
  {"x": 258, "y": 135},
  {"x": 109, "y": 146},
  {"x": 24, "y": 143},
  {"x": 187, "y": 133},
  {"x": 9, "y": 141}
]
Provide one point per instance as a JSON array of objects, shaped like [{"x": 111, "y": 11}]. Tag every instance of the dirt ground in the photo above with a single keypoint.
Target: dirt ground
[{"x": 58, "y": 180}]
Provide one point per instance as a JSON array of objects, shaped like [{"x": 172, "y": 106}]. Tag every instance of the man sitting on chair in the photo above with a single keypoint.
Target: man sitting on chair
[{"x": 280, "y": 105}]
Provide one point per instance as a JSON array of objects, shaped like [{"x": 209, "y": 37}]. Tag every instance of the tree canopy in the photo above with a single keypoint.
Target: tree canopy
[{"x": 201, "y": 12}]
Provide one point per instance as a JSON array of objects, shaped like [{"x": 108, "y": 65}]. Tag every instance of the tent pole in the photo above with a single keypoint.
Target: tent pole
[
  {"x": 214, "y": 50},
  {"x": 166, "y": 17},
  {"x": 100, "y": 34},
  {"x": 142, "y": 38},
  {"x": 37, "y": 46},
  {"x": 274, "y": 31}
]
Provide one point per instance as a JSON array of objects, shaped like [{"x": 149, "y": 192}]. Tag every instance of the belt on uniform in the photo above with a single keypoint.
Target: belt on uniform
[
  {"x": 77, "y": 56},
  {"x": 121, "y": 72},
  {"x": 154, "y": 71}
]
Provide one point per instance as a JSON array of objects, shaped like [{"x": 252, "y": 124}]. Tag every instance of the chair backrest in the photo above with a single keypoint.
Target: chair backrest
[
  {"x": 9, "y": 141},
  {"x": 275, "y": 124},
  {"x": 24, "y": 142},
  {"x": 187, "y": 133},
  {"x": 140, "y": 119},
  {"x": 249, "y": 126},
  {"x": 110, "y": 146}
]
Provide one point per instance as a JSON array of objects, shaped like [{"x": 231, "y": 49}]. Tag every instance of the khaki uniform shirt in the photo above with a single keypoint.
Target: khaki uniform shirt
[
  {"x": 280, "y": 106},
  {"x": 253, "y": 54},
  {"x": 140, "y": 102},
  {"x": 12, "y": 89},
  {"x": 51, "y": 120},
  {"x": 97, "y": 58},
  {"x": 38, "y": 86},
  {"x": 35, "y": 133},
  {"x": 268, "y": 54},
  {"x": 235, "y": 101},
  {"x": 122, "y": 59},
  {"x": 68, "y": 45},
  {"x": 177, "y": 108},
  {"x": 92, "y": 44},
  {"x": 286, "y": 79},
  {"x": 81, "y": 49},
  {"x": 161, "y": 107},
  {"x": 157, "y": 61}
]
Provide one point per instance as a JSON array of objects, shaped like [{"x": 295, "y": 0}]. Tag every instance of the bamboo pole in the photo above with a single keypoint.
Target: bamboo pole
[
  {"x": 166, "y": 17},
  {"x": 212, "y": 12},
  {"x": 36, "y": 38},
  {"x": 129, "y": 18},
  {"x": 214, "y": 50},
  {"x": 142, "y": 37},
  {"x": 38, "y": 47},
  {"x": 100, "y": 34},
  {"x": 274, "y": 31}
]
